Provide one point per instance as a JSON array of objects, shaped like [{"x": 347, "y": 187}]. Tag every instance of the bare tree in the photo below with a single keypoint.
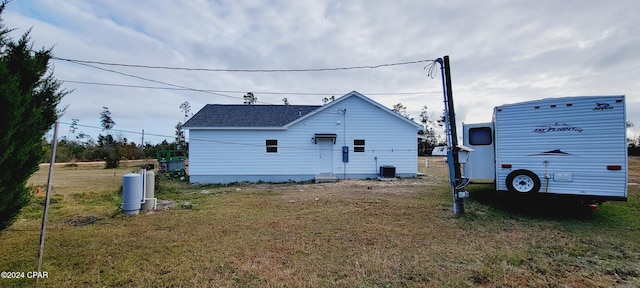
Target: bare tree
[
  {"x": 72, "y": 128},
  {"x": 185, "y": 107},
  {"x": 402, "y": 110},
  {"x": 250, "y": 99},
  {"x": 325, "y": 100}
]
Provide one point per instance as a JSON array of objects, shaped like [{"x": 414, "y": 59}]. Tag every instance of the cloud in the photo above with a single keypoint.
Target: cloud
[{"x": 501, "y": 51}]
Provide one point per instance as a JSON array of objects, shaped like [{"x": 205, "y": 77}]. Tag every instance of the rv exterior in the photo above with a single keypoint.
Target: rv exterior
[{"x": 574, "y": 146}]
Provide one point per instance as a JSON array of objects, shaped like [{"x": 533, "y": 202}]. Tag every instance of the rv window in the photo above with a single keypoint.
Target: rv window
[{"x": 480, "y": 136}]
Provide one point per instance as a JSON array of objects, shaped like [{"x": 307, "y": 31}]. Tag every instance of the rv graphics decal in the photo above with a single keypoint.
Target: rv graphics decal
[
  {"x": 603, "y": 106},
  {"x": 556, "y": 127},
  {"x": 556, "y": 152}
]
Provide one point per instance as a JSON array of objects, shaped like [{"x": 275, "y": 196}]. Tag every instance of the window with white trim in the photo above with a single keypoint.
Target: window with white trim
[{"x": 358, "y": 145}]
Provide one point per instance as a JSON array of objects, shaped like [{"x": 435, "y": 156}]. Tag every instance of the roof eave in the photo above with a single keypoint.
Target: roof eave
[
  {"x": 365, "y": 98},
  {"x": 235, "y": 128}
]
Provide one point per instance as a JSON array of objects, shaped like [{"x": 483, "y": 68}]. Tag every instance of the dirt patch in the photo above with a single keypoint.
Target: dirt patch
[{"x": 81, "y": 220}]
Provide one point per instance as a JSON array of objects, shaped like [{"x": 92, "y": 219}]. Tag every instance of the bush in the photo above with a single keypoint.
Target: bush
[{"x": 112, "y": 160}]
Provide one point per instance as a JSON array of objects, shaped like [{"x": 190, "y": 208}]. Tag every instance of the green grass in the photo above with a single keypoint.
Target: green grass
[{"x": 349, "y": 234}]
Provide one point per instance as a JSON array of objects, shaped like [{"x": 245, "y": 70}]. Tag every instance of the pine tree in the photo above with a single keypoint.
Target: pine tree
[
  {"x": 109, "y": 145},
  {"x": 29, "y": 96}
]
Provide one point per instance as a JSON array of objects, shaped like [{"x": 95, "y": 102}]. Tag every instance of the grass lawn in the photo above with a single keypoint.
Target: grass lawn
[{"x": 347, "y": 234}]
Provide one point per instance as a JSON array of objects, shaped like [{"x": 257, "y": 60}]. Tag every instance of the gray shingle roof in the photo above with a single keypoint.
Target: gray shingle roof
[{"x": 218, "y": 115}]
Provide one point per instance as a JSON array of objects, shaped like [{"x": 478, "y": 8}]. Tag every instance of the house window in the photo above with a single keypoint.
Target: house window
[
  {"x": 480, "y": 136},
  {"x": 358, "y": 145},
  {"x": 272, "y": 146}
]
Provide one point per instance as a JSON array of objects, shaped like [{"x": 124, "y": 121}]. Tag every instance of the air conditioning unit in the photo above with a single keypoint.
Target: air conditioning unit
[{"x": 387, "y": 171}]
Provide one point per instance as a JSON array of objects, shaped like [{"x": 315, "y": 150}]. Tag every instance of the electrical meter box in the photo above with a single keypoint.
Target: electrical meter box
[{"x": 345, "y": 154}]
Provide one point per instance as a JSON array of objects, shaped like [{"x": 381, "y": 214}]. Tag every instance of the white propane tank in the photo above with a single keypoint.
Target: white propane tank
[
  {"x": 149, "y": 191},
  {"x": 131, "y": 190}
]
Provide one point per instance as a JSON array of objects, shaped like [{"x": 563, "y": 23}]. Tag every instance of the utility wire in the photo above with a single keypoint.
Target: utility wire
[
  {"x": 228, "y": 142},
  {"x": 236, "y": 91},
  {"x": 432, "y": 69},
  {"x": 164, "y": 83},
  {"x": 242, "y": 70},
  {"x": 126, "y": 86},
  {"x": 216, "y": 92}
]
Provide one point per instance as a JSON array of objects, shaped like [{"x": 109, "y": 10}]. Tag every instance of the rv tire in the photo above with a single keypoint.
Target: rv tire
[{"x": 523, "y": 181}]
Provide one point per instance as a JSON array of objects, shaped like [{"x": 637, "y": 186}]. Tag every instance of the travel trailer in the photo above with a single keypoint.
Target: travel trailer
[{"x": 573, "y": 146}]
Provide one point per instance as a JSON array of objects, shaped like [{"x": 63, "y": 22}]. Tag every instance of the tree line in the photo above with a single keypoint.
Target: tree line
[
  {"x": 74, "y": 151},
  {"x": 430, "y": 123},
  {"x": 81, "y": 147}
]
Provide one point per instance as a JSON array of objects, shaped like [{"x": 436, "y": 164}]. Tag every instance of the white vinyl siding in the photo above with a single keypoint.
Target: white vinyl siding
[
  {"x": 271, "y": 145},
  {"x": 585, "y": 141},
  {"x": 390, "y": 140}
]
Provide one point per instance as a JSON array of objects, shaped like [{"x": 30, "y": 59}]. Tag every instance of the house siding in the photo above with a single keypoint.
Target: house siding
[{"x": 225, "y": 156}]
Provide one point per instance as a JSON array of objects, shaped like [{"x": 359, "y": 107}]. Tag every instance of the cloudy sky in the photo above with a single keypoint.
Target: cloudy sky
[{"x": 501, "y": 52}]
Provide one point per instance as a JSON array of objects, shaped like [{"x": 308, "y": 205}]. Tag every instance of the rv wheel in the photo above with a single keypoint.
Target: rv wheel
[{"x": 523, "y": 181}]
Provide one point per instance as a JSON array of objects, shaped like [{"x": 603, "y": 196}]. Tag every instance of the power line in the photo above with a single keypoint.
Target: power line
[
  {"x": 432, "y": 69},
  {"x": 391, "y": 150},
  {"x": 161, "y": 82},
  {"x": 215, "y": 92},
  {"x": 237, "y": 91},
  {"x": 243, "y": 70},
  {"x": 124, "y": 85}
]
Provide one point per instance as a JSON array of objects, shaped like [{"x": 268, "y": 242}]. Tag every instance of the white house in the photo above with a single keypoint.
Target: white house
[{"x": 350, "y": 137}]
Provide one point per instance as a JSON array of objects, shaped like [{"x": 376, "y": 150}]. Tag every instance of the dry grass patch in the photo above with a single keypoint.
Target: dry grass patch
[{"x": 346, "y": 234}]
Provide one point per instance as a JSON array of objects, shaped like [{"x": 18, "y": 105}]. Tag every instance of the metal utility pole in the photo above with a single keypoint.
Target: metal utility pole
[
  {"x": 455, "y": 175},
  {"x": 52, "y": 161}
]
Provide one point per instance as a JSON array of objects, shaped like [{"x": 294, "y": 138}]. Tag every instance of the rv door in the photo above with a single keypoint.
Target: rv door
[{"x": 479, "y": 165}]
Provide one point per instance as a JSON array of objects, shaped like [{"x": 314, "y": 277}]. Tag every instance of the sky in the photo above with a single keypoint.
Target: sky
[{"x": 501, "y": 52}]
